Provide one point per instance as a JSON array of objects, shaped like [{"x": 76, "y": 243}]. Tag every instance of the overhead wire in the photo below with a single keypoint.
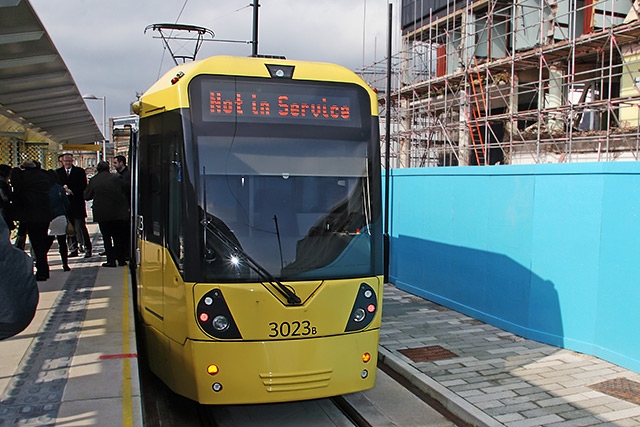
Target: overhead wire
[
  {"x": 181, "y": 10},
  {"x": 164, "y": 49},
  {"x": 184, "y": 5}
]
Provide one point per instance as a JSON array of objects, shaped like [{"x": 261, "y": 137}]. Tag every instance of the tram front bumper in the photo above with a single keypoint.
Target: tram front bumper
[{"x": 279, "y": 371}]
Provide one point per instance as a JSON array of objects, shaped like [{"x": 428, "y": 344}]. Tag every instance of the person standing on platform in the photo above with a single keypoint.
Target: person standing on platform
[
  {"x": 31, "y": 186},
  {"x": 111, "y": 211},
  {"x": 58, "y": 226},
  {"x": 5, "y": 196},
  {"x": 120, "y": 164},
  {"x": 74, "y": 180}
]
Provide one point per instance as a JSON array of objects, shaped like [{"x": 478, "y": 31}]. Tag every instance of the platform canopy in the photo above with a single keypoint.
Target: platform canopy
[{"x": 37, "y": 92}]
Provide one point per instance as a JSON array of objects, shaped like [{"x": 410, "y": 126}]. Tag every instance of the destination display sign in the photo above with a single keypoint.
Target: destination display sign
[{"x": 280, "y": 103}]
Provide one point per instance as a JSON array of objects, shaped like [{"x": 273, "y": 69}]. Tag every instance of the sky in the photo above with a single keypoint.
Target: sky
[{"x": 108, "y": 53}]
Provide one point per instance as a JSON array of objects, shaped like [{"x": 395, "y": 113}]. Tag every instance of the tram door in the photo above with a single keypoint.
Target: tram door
[{"x": 151, "y": 218}]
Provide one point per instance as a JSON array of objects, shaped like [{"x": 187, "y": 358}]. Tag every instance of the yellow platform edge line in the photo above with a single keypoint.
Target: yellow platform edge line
[{"x": 127, "y": 404}]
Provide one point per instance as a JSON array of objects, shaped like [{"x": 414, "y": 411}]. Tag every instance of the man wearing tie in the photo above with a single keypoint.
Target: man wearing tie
[{"x": 74, "y": 180}]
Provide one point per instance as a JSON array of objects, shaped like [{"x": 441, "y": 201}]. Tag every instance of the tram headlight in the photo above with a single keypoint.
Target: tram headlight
[
  {"x": 364, "y": 308},
  {"x": 359, "y": 314},
  {"x": 220, "y": 323},
  {"x": 214, "y": 317}
]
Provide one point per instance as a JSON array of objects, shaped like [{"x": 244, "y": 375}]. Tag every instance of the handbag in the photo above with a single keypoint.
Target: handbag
[
  {"x": 58, "y": 226},
  {"x": 71, "y": 230}
]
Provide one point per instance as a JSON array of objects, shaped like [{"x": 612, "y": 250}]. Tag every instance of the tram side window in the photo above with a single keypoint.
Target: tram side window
[
  {"x": 175, "y": 231},
  {"x": 155, "y": 203},
  {"x": 150, "y": 191}
]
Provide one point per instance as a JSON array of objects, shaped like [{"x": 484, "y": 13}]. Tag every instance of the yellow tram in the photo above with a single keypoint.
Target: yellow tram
[{"x": 258, "y": 238}]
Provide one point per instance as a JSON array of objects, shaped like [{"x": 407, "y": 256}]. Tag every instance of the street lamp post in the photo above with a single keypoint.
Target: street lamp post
[{"x": 104, "y": 121}]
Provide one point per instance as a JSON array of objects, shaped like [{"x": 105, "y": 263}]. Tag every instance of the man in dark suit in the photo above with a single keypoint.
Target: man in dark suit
[
  {"x": 111, "y": 212},
  {"x": 31, "y": 190},
  {"x": 74, "y": 180}
]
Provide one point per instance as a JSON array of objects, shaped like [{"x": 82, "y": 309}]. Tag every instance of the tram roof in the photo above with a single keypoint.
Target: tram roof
[
  {"x": 154, "y": 101},
  {"x": 37, "y": 92}
]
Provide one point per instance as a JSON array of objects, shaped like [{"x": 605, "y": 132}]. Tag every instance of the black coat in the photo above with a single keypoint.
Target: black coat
[
  {"x": 76, "y": 182},
  {"x": 108, "y": 192},
  {"x": 125, "y": 174},
  {"x": 31, "y": 192}
]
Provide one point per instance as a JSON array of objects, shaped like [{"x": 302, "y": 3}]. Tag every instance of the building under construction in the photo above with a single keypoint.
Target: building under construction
[{"x": 510, "y": 82}]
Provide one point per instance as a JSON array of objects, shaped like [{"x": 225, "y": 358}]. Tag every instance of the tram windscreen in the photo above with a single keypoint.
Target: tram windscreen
[{"x": 290, "y": 192}]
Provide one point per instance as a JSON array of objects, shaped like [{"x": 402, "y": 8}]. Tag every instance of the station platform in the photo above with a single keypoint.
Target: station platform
[{"x": 76, "y": 364}]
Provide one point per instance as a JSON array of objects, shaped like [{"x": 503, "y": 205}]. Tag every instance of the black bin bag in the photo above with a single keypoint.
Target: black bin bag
[{"x": 18, "y": 288}]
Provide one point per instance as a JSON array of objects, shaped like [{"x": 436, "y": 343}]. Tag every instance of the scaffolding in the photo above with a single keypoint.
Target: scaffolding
[{"x": 510, "y": 82}]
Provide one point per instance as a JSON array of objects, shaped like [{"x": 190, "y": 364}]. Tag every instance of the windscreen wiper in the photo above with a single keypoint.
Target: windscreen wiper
[{"x": 233, "y": 248}]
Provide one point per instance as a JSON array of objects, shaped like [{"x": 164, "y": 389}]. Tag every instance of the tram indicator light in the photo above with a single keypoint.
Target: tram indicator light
[
  {"x": 177, "y": 77},
  {"x": 212, "y": 369}
]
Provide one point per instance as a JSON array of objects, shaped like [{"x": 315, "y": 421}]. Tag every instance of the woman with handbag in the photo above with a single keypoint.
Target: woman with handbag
[{"x": 58, "y": 226}]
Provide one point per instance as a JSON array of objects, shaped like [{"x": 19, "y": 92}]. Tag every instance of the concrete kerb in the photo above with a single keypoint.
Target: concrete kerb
[{"x": 452, "y": 402}]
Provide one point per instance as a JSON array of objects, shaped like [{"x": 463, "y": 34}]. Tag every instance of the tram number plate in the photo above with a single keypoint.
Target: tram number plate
[{"x": 291, "y": 329}]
